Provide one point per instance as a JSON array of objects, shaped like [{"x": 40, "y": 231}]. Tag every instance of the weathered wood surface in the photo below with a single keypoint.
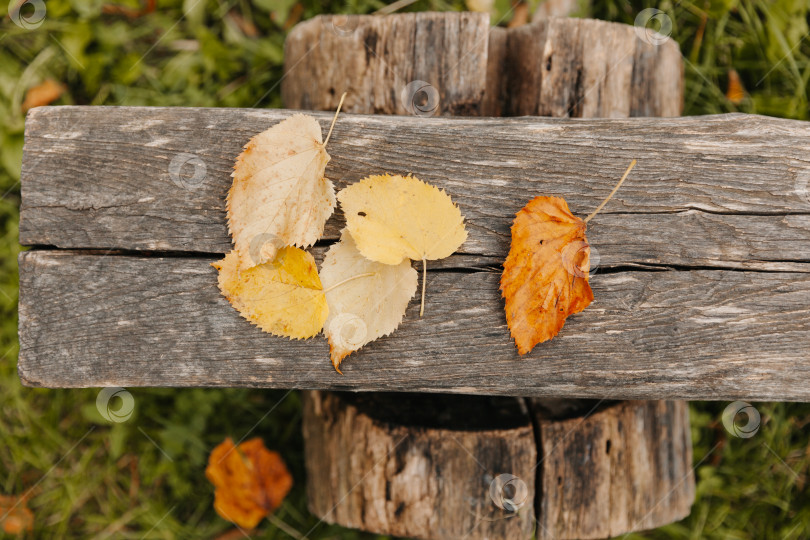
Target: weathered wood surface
[
  {"x": 727, "y": 191},
  {"x": 427, "y": 474},
  {"x": 423, "y": 466},
  {"x": 624, "y": 468},
  {"x": 120, "y": 320},
  {"x": 382, "y": 56},
  {"x": 552, "y": 67},
  {"x": 586, "y": 68}
]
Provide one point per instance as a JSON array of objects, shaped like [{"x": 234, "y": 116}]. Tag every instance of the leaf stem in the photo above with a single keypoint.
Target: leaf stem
[
  {"x": 358, "y": 276},
  {"x": 612, "y": 193},
  {"x": 337, "y": 112},
  {"x": 424, "y": 279}
]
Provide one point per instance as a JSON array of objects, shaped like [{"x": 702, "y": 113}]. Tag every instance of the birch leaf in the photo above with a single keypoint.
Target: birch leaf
[
  {"x": 283, "y": 297},
  {"x": 280, "y": 196},
  {"x": 545, "y": 276},
  {"x": 394, "y": 218},
  {"x": 366, "y": 299}
]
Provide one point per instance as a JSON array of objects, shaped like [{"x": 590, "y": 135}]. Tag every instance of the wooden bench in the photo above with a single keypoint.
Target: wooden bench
[{"x": 702, "y": 289}]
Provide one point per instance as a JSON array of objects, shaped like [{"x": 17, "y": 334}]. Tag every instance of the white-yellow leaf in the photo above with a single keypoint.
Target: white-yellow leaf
[
  {"x": 280, "y": 196},
  {"x": 366, "y": 299}
]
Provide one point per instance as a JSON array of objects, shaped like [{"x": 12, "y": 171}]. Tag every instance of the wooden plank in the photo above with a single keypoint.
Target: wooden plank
[
  {"x": 725, "y": 191},
  {"x": 89, "y": 320}
]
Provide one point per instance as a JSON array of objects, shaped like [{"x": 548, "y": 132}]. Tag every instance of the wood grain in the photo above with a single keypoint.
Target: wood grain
[
  {"x": 414, "y": 480},
  {"x": 627, "y": 467},
  {"x": 725, "y": 191},
  {"x": 89, "y": 320},
  {"x": 380, "y": 56}
]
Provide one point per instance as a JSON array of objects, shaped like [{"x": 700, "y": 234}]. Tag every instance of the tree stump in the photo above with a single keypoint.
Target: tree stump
[
  {"x": 609, "y": 470},
  {"x": 421, "y": 466},
  {"x": 432, "y": 466}
]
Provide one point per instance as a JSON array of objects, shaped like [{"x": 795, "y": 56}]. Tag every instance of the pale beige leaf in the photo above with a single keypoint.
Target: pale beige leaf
[
  {"x": 400, "y": 217},
  {"x": 279, "y": 195},
  {"x": 362, "y": 307}
]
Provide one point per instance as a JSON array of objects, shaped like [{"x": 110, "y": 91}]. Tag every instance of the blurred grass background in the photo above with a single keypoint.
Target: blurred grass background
[{"x": 91, "y": 479}]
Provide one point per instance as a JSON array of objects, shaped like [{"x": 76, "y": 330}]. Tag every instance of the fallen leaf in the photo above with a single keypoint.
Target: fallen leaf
[
  {"x": 367, "y": 299},
  {"x": 735, "y": 92},
  {"x": 393, "y": 218},
  {"x": 283, "y": 297},
  {"x": 280, "y": 196},
  {"x": 42, "y": 94},
  {"x": 296, "y": 12},
  {"x": 250, "y": 481},
  {"x": 545, "y": 276},
  {"x": 15, "y": 516}
]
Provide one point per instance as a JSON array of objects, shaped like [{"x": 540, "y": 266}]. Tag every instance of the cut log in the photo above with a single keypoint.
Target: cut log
[
  {"x": 421, "y": 466},
  {"x": 586, "y": 68},
  {"x": 612, "y": 470},
  {"x": 423, "y": 63}
]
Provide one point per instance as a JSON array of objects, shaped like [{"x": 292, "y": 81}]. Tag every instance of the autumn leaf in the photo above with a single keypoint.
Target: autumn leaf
[
  {"x": 393, "y": 218},
  {"x": 42, "y": 94},
  {"x": 15, "y": 516},
  {"x": 367, "y": 299},
  {"x": 735, "y": 92},
  {"x": 283, "y": 297},
  {"x": 545, "y": 276},
  {"x": 538, "y": 283},
  {"x": 280, "y": 196},
  {"x": 250, "y": 481}
]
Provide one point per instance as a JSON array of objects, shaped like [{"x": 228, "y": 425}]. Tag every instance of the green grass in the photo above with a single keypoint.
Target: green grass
[{"x": 92, "y": 478}]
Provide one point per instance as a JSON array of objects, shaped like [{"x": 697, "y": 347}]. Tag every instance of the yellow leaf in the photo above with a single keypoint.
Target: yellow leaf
[
  {"x": 283, "y": 297},
  {"x": 367, "y": 299},
  {"x": 280, "y": 196},
  {"x": 393, "y": 218}
]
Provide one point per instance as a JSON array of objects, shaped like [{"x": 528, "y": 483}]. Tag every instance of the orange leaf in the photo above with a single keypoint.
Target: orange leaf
[
  {"x": 250, "y": 480},
  {"x": 15, "y": 516},
  {"x": 735, "y": 92},
  {"x": 42, "y": 94},
  {"x": 545, "y": 276}
]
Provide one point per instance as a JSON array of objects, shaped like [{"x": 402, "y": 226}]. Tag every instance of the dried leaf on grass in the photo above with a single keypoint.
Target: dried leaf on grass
[
  {"x": 250, "y": 480},
  {"x": 15, "y": 516}
]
